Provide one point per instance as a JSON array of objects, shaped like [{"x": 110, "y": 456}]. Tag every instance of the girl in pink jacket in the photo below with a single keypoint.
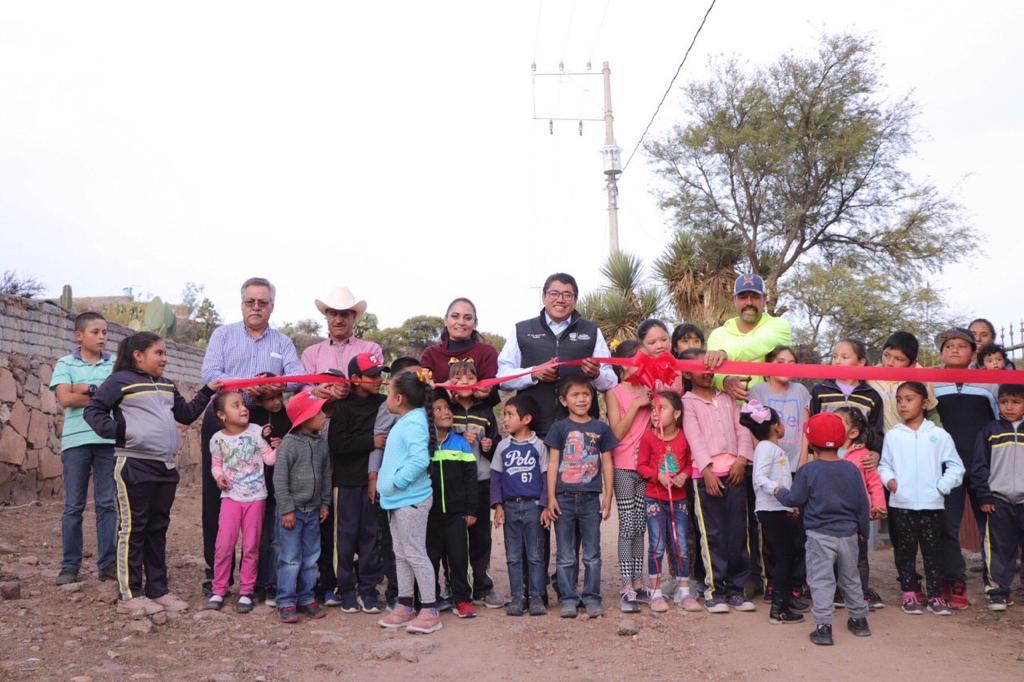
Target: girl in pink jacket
[{"x": 860, "y": 441}]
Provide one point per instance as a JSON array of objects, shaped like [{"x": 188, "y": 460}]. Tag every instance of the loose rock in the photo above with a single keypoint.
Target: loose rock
[{"x": 628, "y": 627}]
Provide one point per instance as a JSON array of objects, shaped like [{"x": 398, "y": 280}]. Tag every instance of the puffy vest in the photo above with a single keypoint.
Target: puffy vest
[{"x": 537, "y": 345}]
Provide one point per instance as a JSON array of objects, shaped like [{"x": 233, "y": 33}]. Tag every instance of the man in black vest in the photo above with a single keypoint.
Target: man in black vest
[{"x": 557, "y": 333}]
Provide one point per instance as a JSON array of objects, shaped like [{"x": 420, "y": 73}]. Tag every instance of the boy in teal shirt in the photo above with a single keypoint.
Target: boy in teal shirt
[{"x": 75, "y": 379}]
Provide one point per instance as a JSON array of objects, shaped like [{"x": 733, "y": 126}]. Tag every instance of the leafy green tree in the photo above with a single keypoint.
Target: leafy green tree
[
  {"x": 367, "y": 324},
  {"x": 496, "y": 340},
  {"x": 411, "y": 339},
  {"x": 625, "y": 301},
  {"x": 206, "y": 319},
  {"x": 801, "y": 161},
  {"x": 303, "y": 333},
  {"x": 831, "y": 303}
]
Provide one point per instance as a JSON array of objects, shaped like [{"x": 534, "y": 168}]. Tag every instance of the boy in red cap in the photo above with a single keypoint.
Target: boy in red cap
[
  {"x": 835, "y": 510},
  {"x": 302, "y": 483}
]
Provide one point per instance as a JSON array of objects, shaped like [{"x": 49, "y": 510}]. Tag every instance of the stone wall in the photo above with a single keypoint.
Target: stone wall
[{"x": 33, "y": 334}]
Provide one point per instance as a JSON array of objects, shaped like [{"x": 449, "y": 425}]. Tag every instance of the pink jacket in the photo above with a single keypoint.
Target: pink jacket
[
  {"x": 713, "y": 430},
  {"x": 872, "y": 481}
]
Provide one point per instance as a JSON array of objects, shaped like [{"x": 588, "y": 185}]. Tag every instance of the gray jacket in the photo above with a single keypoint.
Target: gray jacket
[{"x": 302, "y": 474}]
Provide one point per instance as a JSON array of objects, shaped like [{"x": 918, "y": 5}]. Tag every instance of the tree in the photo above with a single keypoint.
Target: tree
[
  {"x": 411, "y": 339},
  {"x": 303, "y": 333},
  {"x": 367, "y": 324},
  {"x": 831, "y": 303},
  {"x": 206, "y": 320},
  {"x": 698, "y": 269},
  {"x": 620, "y": 306},
  {"x": 801, "y": 161},
  {"x": 190, "y": 298},
  {"x": 496, "y": 340},
  {"x": 25, "y": 286}
]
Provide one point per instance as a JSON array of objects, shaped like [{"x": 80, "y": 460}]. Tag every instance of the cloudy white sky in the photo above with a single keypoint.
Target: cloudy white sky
[{"x": 391, "y": 146}]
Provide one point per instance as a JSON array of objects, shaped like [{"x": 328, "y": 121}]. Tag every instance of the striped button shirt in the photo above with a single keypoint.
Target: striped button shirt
[{"x": 233, "y": 353}]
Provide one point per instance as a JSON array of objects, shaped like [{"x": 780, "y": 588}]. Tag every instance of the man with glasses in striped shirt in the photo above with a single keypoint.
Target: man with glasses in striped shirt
[{"x": 238, "y": 350}]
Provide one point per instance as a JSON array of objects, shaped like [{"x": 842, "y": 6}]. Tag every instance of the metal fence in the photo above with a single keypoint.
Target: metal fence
[{"x": 1012, "y": 338}]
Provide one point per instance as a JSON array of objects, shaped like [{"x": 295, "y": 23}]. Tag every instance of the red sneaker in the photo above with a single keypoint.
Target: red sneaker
[
  {"x": 465, "y": 609},
  {"x": 958, "y": 596}
]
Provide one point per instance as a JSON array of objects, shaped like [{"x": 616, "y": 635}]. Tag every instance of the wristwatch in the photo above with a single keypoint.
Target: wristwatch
[{"x": 91, "y": 391}]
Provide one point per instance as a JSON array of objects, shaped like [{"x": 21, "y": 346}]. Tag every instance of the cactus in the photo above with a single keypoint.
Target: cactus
[
  {"x": 159, "y": 318},
  {"x": 65, "y": 297}
]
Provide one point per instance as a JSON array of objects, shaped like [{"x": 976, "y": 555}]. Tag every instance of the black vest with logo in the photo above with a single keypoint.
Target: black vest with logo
[{"x": 538, "y": 344}]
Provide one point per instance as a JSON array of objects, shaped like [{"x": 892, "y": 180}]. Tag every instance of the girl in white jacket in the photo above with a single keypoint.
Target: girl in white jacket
[{"x": 919, "y": 466}]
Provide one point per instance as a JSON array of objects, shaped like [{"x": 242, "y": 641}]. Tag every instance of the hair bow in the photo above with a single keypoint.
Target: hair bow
[
  {"x": 758, "y": 412},
  {"x": 425, "y": 376}
]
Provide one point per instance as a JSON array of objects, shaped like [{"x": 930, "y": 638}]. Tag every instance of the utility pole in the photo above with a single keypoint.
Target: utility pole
[
  {"x": 611, "y": 152},
  {"x": 612, "y": 163}
]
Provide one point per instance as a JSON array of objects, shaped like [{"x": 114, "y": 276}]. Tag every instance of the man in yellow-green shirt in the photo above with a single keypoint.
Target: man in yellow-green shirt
[{"x": 749, "y": 336}]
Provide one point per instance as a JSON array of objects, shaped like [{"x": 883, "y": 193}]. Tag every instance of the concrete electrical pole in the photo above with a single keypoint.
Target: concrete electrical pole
[{"x": 611, "y": 152}]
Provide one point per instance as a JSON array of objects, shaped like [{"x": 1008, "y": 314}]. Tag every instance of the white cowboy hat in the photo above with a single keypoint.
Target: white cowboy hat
[{"x": 341, "y": 298}]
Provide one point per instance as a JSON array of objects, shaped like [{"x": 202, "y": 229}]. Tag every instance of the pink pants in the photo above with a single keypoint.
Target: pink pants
[{"x": 246, "y": 517}]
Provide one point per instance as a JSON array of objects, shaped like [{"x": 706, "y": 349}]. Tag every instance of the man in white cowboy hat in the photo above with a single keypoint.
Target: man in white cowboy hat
[{"x": 342, "y": 310}]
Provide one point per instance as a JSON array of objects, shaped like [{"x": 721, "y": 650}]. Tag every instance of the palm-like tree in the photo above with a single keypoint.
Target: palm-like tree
[
  {"x": 699, "y": 269},
  {"x": 625, "y": 301}
]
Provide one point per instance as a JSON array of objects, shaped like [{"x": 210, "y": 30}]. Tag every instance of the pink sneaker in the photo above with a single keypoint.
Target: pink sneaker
[
  {"x": 688, "y": 603},
  {"x": 428, "y": 620},
  {"x": 172, "y": 603},
  {"x": 658, "y": 602},
  {"x": 399, "y": 617}
]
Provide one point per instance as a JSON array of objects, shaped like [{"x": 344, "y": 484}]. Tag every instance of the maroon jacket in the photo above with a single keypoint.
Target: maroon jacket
[{"x": 437, "y": 358}]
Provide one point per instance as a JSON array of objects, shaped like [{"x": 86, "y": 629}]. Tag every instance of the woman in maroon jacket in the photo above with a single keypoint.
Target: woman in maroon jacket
[{"x": 460, "y": 340}]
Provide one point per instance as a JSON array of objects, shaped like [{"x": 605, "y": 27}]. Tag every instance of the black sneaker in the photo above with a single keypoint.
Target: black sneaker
[
  {"x": 997, "y": 602},
  {"x": 444, "y": 603},
  {"x": 214, "y": 604},
  {"x": 207, "y": 588},
  {"x": 514, "y": 607},
  {"x": 781, "y": 614},
  {"x": 874, "y": 601},
  {"x": 538, "y": 607},
  {"x": 67, "y": 576},
  {"x": 312, "y": 610},
  {"x": 858, "y": 626},
  {"x": 287, "y": 614},
  {"x": 822, "y": 635},
  {"x": 108, "y": 572},
  {"x": 798, "y": 603},
  {"x": 370, "y": 603}
]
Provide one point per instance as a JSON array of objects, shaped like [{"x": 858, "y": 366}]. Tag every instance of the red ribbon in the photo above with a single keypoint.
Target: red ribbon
[{"x": 664, "y": 368}]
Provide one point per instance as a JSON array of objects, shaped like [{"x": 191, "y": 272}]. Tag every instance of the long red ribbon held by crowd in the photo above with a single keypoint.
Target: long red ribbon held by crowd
[{"x": 664, "y": 369}]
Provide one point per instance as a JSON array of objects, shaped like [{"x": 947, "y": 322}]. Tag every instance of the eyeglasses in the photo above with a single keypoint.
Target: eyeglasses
[
  {"x": 563, "y": 295},
  {"x": 257, "y": 303}
]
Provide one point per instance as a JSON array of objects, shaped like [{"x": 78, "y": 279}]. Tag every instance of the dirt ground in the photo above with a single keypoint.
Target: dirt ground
[{"x": 59, "y": 633}]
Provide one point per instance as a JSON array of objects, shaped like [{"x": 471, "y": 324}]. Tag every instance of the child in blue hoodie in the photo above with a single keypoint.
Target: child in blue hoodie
[
  {"x": 403, "y": 484},
  {"x": 919, "y": 466}
]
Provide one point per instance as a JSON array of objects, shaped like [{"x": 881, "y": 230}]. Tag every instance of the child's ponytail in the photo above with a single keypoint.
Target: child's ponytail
[{"x": 139, "y": 341}]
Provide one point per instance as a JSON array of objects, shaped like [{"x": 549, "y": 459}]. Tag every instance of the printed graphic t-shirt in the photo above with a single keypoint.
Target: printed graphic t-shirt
[
  {"x": 790, "y": 406},
  {"x": 581, "y": 445}
]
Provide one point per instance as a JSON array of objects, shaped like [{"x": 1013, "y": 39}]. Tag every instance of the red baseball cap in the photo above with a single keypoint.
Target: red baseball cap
[
  {"x": 825, "y": 430},
  {"x": 302, "y": 407},
  {"x": 367, "y": 365}
]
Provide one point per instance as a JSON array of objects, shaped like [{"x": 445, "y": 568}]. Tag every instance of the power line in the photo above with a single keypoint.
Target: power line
[
  {"x": 600, "y": 27},
  {"x": 568, "y": 28},
  {"x": 669, "y": 88}
]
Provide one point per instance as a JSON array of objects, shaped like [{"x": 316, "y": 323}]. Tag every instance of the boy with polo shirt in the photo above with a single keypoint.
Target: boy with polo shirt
[{"x": 75, "y": 379}]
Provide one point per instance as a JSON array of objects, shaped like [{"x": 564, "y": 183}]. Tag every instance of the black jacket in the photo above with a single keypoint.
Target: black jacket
[
  {"x": 538, "y": 344},
  {"x": 350, "y": 438}
]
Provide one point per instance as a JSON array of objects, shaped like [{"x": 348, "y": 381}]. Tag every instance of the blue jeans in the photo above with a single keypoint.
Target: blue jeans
[
  {"x": 522, "y": 527},
  {"x": 584, "y": 509},
  {"x": 78, "y": 463},
  {"x": 660, "y": 518},
  {"x": 296, "y": 567}
]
